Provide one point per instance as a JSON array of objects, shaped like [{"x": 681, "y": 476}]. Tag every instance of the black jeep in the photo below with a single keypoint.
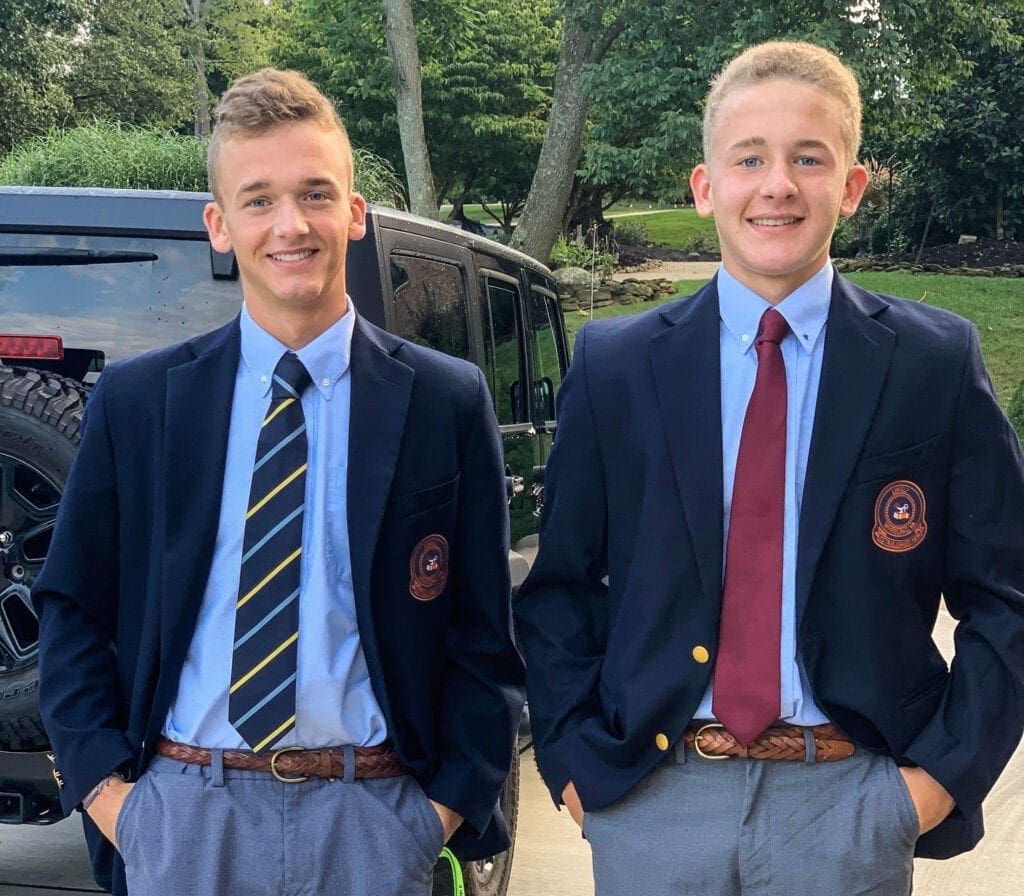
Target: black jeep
[{"x": 88, "y": 276}]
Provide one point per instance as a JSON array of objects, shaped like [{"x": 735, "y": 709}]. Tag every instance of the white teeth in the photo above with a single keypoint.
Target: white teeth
[
  {"x": 292, "y": 256},
  {"x": 774, "y": 222}
]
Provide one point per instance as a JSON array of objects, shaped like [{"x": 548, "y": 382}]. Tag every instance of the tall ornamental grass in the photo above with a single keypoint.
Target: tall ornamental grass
[
  {"x": 108, "y": 155},
  {"x": 104, "y": 154}
]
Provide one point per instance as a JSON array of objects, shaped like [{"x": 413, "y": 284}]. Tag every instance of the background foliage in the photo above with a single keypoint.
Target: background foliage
[
  {"x": 944, "y": 82},
  {"x": 125, "y": 156}
]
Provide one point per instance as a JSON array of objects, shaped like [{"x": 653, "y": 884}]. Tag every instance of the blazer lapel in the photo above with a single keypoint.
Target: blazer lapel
[
  {"x": 381, "y": 386},
  {"x": 687, "y": 376},
  {"x": 858, "y": 350},
  {"x": 198, "y": 414}
]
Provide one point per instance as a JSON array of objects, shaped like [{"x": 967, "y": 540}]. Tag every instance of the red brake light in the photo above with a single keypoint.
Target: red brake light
[{"x": 47, "y": 348}]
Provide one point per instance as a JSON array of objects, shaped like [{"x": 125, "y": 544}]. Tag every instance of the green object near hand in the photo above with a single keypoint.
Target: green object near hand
[{"x": 458, "y": 885}]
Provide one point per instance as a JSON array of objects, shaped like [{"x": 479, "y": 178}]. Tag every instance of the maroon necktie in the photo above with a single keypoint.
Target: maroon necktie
[{"x": 747, "y": 678}]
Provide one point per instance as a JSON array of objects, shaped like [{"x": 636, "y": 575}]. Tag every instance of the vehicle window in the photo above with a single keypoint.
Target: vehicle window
[
  {"x": 430, "y": 303},
  {"x": 501, "y": 349},
  {"x": 544, "y": 319},
  {"x": 118, "y": 295}
]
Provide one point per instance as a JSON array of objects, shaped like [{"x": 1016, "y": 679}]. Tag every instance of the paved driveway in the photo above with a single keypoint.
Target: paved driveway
[{"x": 551, "y": 858}]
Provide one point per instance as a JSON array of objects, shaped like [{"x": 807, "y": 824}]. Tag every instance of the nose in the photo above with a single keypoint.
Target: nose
[
  {"x": 290, "y": 221},
  {"x": 777, "y": 182}
]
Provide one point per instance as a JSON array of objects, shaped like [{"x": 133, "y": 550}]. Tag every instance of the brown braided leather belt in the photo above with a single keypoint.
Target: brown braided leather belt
[
  {"x": 292, "y": 765},
  {"x": 712, "y": 741}
]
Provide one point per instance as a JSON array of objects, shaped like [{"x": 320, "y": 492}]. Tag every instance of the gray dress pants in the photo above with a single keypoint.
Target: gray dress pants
[
  {"x": 744, "y": 827},
  {"x": 188, "y": 830}
]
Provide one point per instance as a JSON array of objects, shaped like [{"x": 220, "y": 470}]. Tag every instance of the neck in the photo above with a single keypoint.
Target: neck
[{"x": 296, "y": 327}]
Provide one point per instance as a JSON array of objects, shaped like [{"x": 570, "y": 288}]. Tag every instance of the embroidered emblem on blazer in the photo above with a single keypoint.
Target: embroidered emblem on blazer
[
  {"x": 428, "y": 568},
  {"x": 900, "y": 524}
]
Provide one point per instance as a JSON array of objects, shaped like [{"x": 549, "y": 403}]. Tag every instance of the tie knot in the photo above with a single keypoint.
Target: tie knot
[
  {"x": 773, "y": 327},
  {"x": 290, "y": 377}
]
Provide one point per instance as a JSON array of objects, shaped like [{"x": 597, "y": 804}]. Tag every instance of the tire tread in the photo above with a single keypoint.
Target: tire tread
[{"x": 59, "y": 403}]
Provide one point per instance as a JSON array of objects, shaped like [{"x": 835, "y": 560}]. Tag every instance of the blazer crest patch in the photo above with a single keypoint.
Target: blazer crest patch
[
  {"x": 900, "y": 523},
  {"x": 428, "y": 568}
]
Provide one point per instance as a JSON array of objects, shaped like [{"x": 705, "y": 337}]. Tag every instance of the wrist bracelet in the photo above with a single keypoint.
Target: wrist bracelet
[{"x": 95, "y": 792}]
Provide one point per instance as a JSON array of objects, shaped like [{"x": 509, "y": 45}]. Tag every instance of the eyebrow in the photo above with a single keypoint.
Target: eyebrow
[
  {"x": 257, "y": 186},
  {"x": 760, "y": 141},
  {"x": 254, "y": 187}
]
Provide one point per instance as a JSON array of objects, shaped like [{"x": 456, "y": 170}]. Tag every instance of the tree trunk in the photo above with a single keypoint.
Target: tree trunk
[
  {"x": 1000, "y": 231},
  {"x": 202, "y": 121},
  {"x": 548, "y": 199},
  {"x": 400, "y": 35},
  {"x": 197, "y": 51}
]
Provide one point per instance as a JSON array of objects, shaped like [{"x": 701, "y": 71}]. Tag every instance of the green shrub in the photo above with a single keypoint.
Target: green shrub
[
  {"x": 578, "y": 254},
  {"x": 888, "y": 236},
  {"x": 1015, "y": 411},
  {"x": 700, "y": 244},
  {"x": 629, "y": 232},
  {"x": 106, "y": 154},
  {"x": 844, "y": 239}
]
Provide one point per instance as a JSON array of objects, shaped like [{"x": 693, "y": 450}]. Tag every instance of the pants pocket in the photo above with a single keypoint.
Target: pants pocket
[
  {"x": 433, "y": 826},
  {"x": 909, "y": 826},
  {"x": 124, "y": 828}
]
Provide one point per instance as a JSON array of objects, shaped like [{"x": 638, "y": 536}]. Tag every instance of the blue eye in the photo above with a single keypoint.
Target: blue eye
[
  {"x": 807, "y": 161},
  {"x": 317, "y": 196},
  {"x": 750, "y": 162},
  {"x": 258, "y": 203}
]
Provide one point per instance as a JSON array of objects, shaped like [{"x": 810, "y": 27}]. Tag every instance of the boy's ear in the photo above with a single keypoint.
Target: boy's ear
[
  {"x": 853, "y": 190},
  {"x": 357, "y": 226},
  {"x": 700, "y": 185},
  {"x": 213, "y": 218}
]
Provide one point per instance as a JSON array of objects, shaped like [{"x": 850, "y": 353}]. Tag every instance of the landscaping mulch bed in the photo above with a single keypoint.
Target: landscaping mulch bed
[{"x": 982, "y": 254}]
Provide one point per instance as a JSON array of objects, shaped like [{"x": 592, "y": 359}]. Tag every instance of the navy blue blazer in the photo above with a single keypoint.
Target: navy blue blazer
[
  {"x": 634, "y": 493},
  {"x": 119, "y": 595}
]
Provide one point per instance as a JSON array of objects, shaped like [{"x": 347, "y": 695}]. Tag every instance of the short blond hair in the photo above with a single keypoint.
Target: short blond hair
[
  {"x": 256, "y": 104},
  {"x": 794, "y": 61}
]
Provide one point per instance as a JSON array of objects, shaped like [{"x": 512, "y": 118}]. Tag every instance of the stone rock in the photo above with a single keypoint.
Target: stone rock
[{"x": 572, "y": 279}]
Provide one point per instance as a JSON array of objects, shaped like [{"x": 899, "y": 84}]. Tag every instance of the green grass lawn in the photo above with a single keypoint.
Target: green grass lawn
[
  {"x": 677, "y": 228},
  {"x": 474, "y": 212},
  {"x": 994, "y": 304}
]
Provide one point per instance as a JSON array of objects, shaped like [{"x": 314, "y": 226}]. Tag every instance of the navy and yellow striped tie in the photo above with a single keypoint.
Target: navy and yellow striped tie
[{"x": 261, "y": 704}]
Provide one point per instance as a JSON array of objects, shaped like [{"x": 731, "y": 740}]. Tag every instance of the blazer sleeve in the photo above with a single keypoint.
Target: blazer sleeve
[
  {"x": 76, "y": 598},
  {"x": 483, "y": 679},
  {"x": 979, "y": 719},
  {"x": 561, "y": 607}
]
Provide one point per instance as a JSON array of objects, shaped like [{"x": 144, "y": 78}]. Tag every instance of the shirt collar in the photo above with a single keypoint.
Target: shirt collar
[
  {"x": 326, "y": 357},
  {"x": 805, "y": 309}
]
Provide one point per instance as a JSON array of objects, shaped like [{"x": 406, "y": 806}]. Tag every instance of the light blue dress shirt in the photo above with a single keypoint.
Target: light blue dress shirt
[
  {"x": 806, "y": 311},
  {"x": 335, "y": 703}
]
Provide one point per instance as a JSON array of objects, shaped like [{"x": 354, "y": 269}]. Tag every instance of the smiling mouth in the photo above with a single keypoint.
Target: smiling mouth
[
  {"x": 774, "y": 222},
  {"x": 293, "y": 256}
]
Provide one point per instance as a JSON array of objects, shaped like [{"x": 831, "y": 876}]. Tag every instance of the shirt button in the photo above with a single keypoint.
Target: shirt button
[
  {"x": 745, "y": 337},
  {"x": 263, "y": 379},
  {"x": 661, "y": 741},
  {"x": 700, "y": 654},
  {"x": 325, "y": 382}
]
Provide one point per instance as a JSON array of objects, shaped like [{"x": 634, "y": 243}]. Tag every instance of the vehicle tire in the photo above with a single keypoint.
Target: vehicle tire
[
  {"x": 488, "y": 877},
  {"x": 40, "y": 419}
]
